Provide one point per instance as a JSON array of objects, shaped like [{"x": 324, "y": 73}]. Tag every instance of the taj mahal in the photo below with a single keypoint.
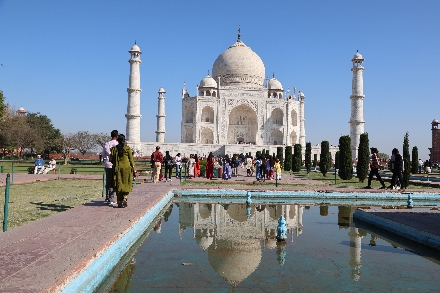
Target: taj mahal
[{"x": 236, "y": 109}]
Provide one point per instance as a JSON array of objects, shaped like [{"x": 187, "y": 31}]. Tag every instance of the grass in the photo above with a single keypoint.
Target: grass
[
  {"x": 33, "y": 201},
  {"x": 66, "y": 169},
  {"x": 352, "y": 183}
]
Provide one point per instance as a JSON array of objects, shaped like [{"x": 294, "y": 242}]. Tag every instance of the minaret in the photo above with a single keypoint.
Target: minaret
[
  {"x": 160, "y": 133},
  {"x": 357, "y": 104},
  {"x": 133, "y": 128},
  {"x": 302, "y": 129}
]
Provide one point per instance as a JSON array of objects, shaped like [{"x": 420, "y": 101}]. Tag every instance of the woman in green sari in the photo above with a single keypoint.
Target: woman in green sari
[{"x": 121, "y": 157}]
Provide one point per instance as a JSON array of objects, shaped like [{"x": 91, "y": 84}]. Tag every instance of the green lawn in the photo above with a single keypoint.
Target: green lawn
[
  {"x": 66, "y": 169},
  {"x": 352, "y": 183},
  {"x": 32, "y": 201}
]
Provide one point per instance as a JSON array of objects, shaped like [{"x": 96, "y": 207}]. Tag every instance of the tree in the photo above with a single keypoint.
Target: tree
[
  {"x": 66, "y": 144},
  {"x": 101, "y": 139},
  {"x": 383, "y": 157},
  {"x": 3, "y": 107},
  {"x": 47, "y": 134},
  {"x": 258, "y": 154},
  {"x": 363, "y": 157},
  {"x": 337, "y": 160},
  {"x": 280, "y": 155},
  {"x": 297, "y": 158},
  {"x": 325, "y": 159},
  {"x": 308, "y": 157},
  {"x": 288, "y": 160},
  {"x": 345, "y": 159},
  {"x": 84, "y": 142},
  {"x": 406, "y": 161},
  {"x": 315, "y": 160},
  {"x": 415, "y": 160}
]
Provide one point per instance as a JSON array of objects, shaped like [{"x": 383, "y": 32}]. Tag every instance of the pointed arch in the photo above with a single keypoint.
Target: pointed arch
[
  {"x": 242, "y": 125},
  {"x": 207, "y": 114},
  {"x": 207, "y": 136},
  {"x": 294, "y": 117},
  {"x": 277, "y": 116},
  {"x": 276, "y": 137}
]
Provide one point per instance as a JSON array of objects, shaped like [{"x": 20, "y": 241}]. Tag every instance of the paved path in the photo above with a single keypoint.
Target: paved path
[{"x": 44, "y": 255}]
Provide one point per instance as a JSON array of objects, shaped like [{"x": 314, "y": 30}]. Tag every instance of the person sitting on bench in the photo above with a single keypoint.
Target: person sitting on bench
[
  {"x": 39, "y": 165},
  {"x": 52, "y": 166}
]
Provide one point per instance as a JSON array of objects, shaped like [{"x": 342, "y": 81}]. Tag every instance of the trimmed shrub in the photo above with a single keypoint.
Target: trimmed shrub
[
  {"x": 406, "y": 160},
  {"x": 288, "y": 158},
  {"x": 308, "y": 157},
  {"x": 297, "y": 158},
  {"x": 325, "y": 159},
  {"x": 345, "y": 160},
  {"x": 363, "y": 157},
  {"x": 415, "y": 160},
  {"x": 280, "y": 155}
]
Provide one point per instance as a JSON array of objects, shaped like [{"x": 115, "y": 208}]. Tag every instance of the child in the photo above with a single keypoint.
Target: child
[
  {"x": 278, "y": 168},
  {"x": 227, "y": 170}
]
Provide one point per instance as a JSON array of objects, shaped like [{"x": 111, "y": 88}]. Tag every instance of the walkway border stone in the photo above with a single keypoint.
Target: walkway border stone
[{"x": 392, "y": 221}]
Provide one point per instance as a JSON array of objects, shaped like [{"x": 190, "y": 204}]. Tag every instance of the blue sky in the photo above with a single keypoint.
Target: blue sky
[{"x": 68, "y": 60}]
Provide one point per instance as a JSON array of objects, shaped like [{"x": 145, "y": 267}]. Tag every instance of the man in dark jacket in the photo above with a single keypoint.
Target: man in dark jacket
[{"x": 397, "y": 169}]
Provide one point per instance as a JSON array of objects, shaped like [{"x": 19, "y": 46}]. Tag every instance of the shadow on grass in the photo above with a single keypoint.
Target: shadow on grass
[{"x": 51, "y": 207}]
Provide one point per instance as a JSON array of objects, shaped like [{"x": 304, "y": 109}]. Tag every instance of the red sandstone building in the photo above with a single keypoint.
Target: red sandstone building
[{"x": 435, "y": 149}]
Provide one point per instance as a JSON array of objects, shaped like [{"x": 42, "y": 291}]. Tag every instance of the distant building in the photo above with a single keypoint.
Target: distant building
[{"x": 435, "y": 149}]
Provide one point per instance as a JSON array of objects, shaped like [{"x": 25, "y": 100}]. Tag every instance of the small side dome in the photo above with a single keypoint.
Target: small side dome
[
  {"x": 357, "y": 58},
  {"x": 274, "y": 84},
  {"x": 433, "y": 121},
  {"x": 162, "y": 90},
  {"x": 208, "y": 81},
  {"x": 135, "y": 48}
]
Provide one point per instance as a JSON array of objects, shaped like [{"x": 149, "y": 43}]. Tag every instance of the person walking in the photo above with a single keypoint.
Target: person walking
[
  {"x": 121, "y": 157},
  {"x": 108, "y": 167},
  {"x": 397, "y": 169},
  {"x": 374, "y": 169},
  {"x": 169, "y": 164},
  {"x": 157, "y": 160}
]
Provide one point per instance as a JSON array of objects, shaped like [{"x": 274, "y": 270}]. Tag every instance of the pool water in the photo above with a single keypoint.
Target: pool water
[{"x": 212, "y": 247}]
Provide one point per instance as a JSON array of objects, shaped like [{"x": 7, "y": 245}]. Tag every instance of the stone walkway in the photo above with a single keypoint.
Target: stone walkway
[{"x": 44, "y": 256}]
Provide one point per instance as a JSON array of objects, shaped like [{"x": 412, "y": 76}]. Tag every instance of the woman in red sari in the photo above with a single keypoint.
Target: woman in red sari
[
  {"x": 210, "y": 166},
  {"x": 196, "y": 166}
]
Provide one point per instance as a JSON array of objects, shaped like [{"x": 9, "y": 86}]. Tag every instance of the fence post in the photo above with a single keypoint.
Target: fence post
[
  {"x": 59, "y": 170},
  {"x": 12, "y": 176},
  {"x": 103, "y": 183},
  {"x": 6, "y": 208}
]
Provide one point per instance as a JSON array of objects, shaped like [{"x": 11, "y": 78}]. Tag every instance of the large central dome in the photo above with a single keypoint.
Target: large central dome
[{"x": 239, "y": 66}]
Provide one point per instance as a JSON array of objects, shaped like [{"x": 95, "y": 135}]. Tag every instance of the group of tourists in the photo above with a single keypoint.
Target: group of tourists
[{"x": 265, "y": 168}]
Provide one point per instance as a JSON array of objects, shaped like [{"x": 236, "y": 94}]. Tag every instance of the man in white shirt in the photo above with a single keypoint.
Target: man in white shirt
[{"x": 109, "y": 192}]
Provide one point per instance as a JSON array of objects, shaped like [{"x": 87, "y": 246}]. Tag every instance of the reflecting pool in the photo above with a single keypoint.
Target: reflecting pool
[{"x": 214, "y": 247}]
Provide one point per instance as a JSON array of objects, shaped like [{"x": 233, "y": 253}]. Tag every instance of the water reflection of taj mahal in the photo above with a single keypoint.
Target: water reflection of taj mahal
[{"x": 232, "y": 233}]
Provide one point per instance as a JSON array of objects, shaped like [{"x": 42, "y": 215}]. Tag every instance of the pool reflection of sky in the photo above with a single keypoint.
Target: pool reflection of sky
[{"x": 217, "y": 248}]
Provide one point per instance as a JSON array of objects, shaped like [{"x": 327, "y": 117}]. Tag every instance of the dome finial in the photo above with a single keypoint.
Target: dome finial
[
  {"x": 208, "y": 72},
  {"x": 239, "y": 34},
  {"x": 273, "y": 74},
  {"x": 135, "y": 42}
]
